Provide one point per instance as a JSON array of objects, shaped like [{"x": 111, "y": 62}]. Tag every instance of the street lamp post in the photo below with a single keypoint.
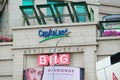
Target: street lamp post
[{"x": 53, "y": 60}]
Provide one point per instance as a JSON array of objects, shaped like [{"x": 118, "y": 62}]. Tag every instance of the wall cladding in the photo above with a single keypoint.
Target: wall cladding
[{"x": 6, "y": 61}]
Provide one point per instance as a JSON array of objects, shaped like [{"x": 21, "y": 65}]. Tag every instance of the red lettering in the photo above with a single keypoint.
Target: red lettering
[
  {"x": 42, "y": 60},
  {"x": 62, "y": 59},
  {"x": 53, "y": 59}
]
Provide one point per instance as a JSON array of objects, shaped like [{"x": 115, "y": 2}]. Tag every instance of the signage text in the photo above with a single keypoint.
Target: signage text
[{"x": 54, "y": 59}]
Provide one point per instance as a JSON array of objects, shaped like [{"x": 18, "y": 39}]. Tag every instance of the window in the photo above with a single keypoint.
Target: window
[
  {"x": 52, "y": 3},
  {"x": 81, "y": 10},
  {"x": 26, "y": 3}
]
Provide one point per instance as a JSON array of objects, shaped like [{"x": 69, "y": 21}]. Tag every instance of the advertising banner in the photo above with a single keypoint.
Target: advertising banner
[{"x": 54, "y": 73}]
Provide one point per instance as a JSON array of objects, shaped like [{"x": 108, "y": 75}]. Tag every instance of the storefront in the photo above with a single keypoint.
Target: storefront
[{"x": 78, "y": 50}]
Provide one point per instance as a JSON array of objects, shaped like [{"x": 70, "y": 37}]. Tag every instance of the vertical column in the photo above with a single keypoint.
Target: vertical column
[
  {"x": 18, "y": 67},
  {"x": 90, "y": 63}
]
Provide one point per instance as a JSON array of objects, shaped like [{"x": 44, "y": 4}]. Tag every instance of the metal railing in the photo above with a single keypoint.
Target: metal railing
[{"x": 110, "y": 26}]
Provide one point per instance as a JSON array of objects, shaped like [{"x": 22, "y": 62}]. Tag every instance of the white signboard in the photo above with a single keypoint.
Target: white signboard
[
  {"x": 109, "y": 68},
  {"x": 113, "y": 72},
  {"x": 61, "y": 73}
]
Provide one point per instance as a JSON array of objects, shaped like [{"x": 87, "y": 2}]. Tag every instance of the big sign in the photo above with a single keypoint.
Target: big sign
[{"x": 54, "y": 59}]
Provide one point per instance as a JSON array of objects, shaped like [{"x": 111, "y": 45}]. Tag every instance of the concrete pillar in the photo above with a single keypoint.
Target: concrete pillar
[
  {"x": 18, "y": 67},
  {"x": 90, "y": 63}
]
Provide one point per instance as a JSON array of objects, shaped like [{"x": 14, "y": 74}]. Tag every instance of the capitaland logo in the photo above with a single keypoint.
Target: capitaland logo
[{"x": 51, "y": 34}]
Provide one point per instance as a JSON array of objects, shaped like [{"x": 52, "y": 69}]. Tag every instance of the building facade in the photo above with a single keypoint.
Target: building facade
[{"x": 84, "y": 44}]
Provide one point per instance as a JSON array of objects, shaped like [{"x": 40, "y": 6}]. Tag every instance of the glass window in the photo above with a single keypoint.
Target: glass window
[
  {"x": 53, "y": 2},
  {"x": 26, "y": 3},
  {"x": 81, "y": 10}
]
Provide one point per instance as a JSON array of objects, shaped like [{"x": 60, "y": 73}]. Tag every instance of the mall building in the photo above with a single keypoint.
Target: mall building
[{"x": 73, "y": 27}]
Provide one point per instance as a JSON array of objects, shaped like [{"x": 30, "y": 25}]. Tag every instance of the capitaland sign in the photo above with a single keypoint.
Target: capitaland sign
[{"x": 51, "y": 34}]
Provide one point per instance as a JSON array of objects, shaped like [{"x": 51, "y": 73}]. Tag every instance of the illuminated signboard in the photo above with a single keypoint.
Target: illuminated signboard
[
  {"x": 51, "y": 34},
  {"x": 59, "y": 59}
]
